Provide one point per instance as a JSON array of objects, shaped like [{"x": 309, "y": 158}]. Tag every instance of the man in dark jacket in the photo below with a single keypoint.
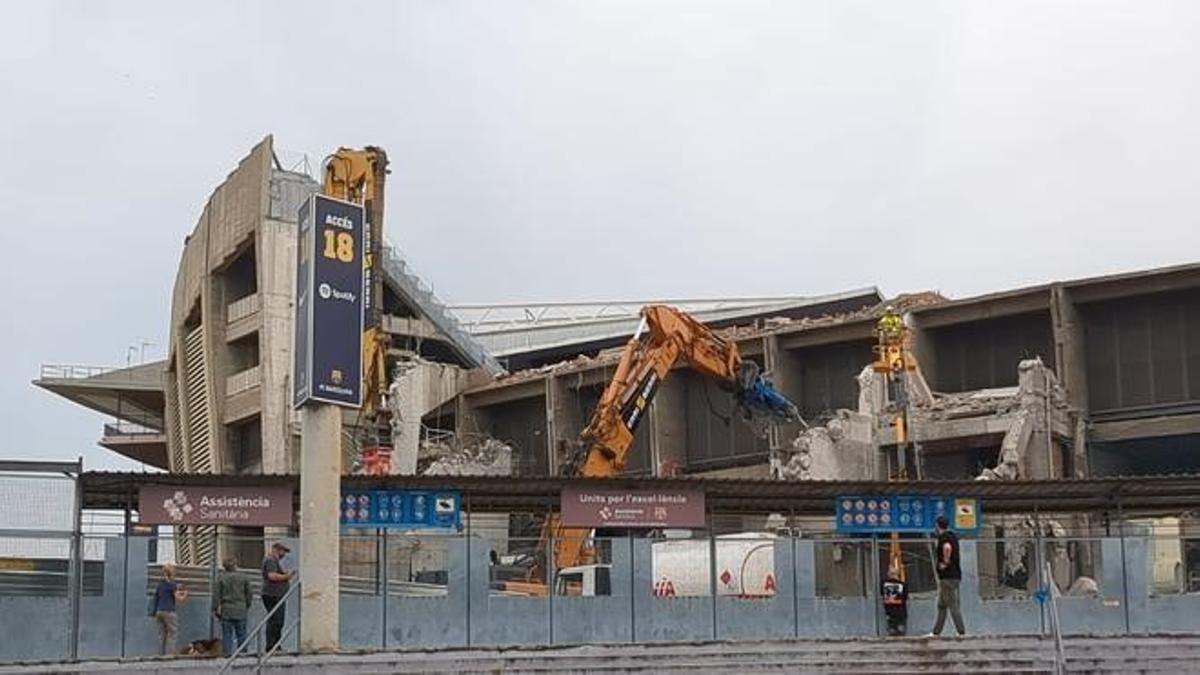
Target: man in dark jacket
[
  {"x": 276, "y": 581},
  {"x": 231, "y": 604},
  {"x": 949, "y": 573}
]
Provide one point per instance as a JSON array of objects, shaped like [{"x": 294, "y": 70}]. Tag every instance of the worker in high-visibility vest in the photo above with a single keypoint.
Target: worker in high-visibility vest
[{"x": 891, "y": 324}]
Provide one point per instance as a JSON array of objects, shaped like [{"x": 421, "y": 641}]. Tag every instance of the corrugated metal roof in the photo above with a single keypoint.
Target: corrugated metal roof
[
  {"x": 507, "y": 329},
  {"x": 111, "y": 490}
]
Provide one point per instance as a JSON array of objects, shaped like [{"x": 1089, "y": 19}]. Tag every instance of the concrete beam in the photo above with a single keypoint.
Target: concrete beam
[
  {"x": 925, "y": 429},
  {"x": 409, "y": 327},
  {"x": 1135, "y": 283},
  {"x": 984, "y": 307},
  {"x": 1149, "y": 427},
  {"x": 506, "y": 393},
  {"x": 850, "y": 331}
]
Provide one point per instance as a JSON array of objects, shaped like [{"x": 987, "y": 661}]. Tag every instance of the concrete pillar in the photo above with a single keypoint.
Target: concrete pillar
[
  {"x": 407, "y": 401},
  {"x": 468, "y": 418},
  {"x": 557, "y": 422},
  {"x": 784, "y": 372},
  {"x": 668, "y": 426},
  {"x": 921, "y": 345},
  {"x": 1071, "y": 360},
  {"x": 1037, "y": 452},
  {"x": 275, "y": 251},
  {"x": 320, "y": 494}
]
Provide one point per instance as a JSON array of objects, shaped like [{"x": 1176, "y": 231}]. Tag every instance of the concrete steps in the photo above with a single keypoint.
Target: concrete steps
[{"x": 1011, "y": 655}]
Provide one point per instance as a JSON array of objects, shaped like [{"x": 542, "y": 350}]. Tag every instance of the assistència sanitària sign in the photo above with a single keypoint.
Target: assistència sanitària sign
[{"x": 174, "y": 505}]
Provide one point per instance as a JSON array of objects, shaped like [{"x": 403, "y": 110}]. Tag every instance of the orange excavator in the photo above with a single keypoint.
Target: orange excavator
[{"x": 665, "y": 338}]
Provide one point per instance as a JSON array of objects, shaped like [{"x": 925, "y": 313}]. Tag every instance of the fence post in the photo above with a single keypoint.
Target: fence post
[
  {"x": 550, "y": 581},
  {"x": 212, "y": 577},
  {"x": 383, "y": 574},
  {"x": 125, "y": 529},
  {"x": 712, "y": 577},
  {"x": 75, "y": 567},
  {"x": 632, "y": 587},
  {"x": 469, "y": 590},
  {"x": 873, "y": 579},
  {"x": 1124, "y": 568},
  {"x": 1039, "y": 561},
  {"x": 795, "y": 583}
]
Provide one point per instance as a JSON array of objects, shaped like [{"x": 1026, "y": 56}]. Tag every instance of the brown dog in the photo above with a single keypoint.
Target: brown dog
[{"x": 207, "y": 649}]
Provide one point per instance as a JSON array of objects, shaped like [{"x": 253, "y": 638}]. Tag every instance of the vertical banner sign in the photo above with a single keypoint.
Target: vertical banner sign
[{"x": 329, "y": 302}]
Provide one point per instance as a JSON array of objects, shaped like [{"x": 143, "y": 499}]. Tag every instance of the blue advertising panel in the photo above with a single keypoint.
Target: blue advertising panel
[
  {"x": 407, "y": 509},
  {"x": 865, "y": 514},
  {"x": 329, "y": 302}
]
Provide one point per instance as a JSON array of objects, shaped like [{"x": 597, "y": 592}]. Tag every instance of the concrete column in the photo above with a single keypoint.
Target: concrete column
[
  {"x": 922, "y": 347},
  {"x": 275, "y": 249},
  {"x": 407, "y": 401},
  {"x": 1071, "y": 364},
  {"x": 784, "y": 372},
  {"x": 668, "y": 425},
  {"x": 320, "y": 493},
  {"x": 468, "y": 418},
  {"x": 1069, "y": 353},
  {"x": 556, "y": 391}
]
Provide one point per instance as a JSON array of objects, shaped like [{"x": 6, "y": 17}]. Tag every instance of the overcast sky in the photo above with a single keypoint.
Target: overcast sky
[{"x": 591, "y": 150}]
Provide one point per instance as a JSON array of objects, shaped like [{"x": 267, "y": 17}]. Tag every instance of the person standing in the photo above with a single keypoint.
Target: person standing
[
  {"x": 276, "y": 581},
  {"x": 167, "y": 596},
  {"x": 949, "y": 574},
  {"x": 895, "y": 601},
  {"x": 231, "y": 604}
]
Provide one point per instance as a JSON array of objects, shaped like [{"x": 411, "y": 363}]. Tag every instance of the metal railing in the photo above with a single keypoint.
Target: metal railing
[
  {"x": 58, "y": 371},
  {"x": 395, "y": 265},
  {"x": 123, "y": 428},
  {"x": 1060, "y": 655},
  {"x": 256, "y": 634}
]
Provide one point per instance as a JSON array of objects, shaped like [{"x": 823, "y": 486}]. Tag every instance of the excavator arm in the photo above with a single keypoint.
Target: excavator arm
[{"x": 665, "y": 338}]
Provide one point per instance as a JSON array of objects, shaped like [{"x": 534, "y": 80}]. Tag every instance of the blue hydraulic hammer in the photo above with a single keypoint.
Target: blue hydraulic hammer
[{"x": 757, "y": 396}]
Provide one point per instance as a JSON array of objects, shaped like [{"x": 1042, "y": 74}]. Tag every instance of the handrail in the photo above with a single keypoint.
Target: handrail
[
  {"x": 1060, "y": 654},
  {"x": 259, "y": 629},
  {"x": 287, "y": 632}
]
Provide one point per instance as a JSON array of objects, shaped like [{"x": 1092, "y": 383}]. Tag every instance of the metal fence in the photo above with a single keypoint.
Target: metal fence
[{"x": 428, "y": 590}]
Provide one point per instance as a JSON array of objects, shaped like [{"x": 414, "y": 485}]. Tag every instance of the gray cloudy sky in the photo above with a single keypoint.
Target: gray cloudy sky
[{"x": 570, "y": 150}]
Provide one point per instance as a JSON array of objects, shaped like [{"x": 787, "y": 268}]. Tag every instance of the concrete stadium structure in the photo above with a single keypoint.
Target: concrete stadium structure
[{"x": 1088, "y": 377}]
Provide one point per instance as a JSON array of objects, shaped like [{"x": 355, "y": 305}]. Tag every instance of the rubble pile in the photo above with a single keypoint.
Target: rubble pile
[
  {"x": 581, "y": 362},
  {"x": 1038, "y": 400},
  {"x": 486, "y": 457},
  {"x": 997, "y": 401},
  {"x": 840, "y": 449}
]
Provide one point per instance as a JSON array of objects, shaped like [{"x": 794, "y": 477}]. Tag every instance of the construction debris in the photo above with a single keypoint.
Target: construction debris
[
  {"x": 764, "y": 327},
  {"x": 485, "y": 457},
  {"x": 841, "y": 449}
]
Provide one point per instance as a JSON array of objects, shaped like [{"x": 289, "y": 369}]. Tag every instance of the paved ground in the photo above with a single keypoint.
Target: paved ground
[{"x": 980, "y": 654}]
